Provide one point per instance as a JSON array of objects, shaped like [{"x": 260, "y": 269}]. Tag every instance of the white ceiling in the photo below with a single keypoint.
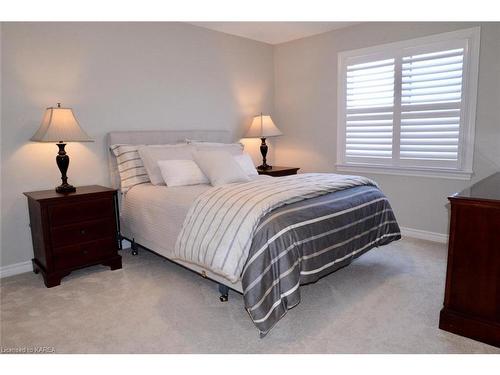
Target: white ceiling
[{"x": 273, "y": 32}]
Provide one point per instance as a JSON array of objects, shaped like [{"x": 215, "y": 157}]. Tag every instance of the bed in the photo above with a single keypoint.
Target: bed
[{"x": 263, "y": 238}]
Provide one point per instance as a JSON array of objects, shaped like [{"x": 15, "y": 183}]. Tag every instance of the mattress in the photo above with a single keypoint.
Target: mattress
[{"x": 156, "y": 213}]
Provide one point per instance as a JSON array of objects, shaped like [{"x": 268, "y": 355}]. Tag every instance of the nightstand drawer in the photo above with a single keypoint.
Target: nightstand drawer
[
  {"x": 75, "y": 255},
  {"x": 80, "y": 211},
  {"x": 82, "y": 232}
]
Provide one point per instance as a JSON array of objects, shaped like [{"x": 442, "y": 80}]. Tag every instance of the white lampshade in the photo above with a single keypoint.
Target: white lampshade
[
  {"x": 262, "y": 127},
  {"x": 60, "y": 125}
]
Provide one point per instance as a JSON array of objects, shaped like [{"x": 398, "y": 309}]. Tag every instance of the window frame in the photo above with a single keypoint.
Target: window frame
[{"x": 469, "y": 39}]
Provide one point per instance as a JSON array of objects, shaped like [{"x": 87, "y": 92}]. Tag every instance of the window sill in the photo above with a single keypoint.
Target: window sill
[{"x": 416, "y": 172}]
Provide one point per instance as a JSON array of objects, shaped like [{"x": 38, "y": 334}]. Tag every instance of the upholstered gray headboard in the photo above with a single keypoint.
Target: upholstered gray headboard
[{"x": 157, "y": 137}]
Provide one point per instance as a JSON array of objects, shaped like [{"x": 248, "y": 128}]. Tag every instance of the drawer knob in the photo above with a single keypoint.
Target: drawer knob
[
  {"x": 82, "y": 231},
  {"x": 85, "y": 252}
]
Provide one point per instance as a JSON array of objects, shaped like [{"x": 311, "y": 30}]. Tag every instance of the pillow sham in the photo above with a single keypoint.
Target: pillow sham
[
  {"x": 220, "y": 167},
  {"x": 232, "y": 148},
  {"x": 181, "y": 173},
  {"x": 130, "y": 166},
  {"x": 151, "y": 154},
  {"x": 246, "y": 163}
]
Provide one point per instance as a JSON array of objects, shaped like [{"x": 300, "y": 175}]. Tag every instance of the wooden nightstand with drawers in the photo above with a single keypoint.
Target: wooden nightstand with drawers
[
  {"x": 71, "y": 231},
  {"x": 278, "y": 171}
]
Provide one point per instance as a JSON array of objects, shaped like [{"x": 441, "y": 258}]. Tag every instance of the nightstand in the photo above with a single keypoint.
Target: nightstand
[
  {"x": 279, "y": 171},
  {"x": 74, "y": 230}
]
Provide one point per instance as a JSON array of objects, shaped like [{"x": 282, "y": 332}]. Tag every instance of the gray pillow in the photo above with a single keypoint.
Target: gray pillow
[
  {"x": 152, "y": 154},
  {"x": 220, "y": 167},
  {"x": 232, "y": 148}
]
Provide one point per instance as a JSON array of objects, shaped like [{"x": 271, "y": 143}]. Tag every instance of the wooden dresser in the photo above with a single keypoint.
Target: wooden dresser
[
  {"x": 74, "y": 230},
  {"x": 472, "y": 295}
]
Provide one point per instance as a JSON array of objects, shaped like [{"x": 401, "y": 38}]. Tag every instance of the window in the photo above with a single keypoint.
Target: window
[{"x": 409, "y": 107}]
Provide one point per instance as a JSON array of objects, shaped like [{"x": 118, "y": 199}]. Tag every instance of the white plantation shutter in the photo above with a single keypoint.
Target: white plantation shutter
[
  {"x": 410, "y": 105},
  {"x": 369, "y": 104},
  {"x": 431, "y": 101}
]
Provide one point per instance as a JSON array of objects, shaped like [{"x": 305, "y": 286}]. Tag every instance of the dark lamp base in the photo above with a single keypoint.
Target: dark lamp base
[
  {"x": 263, "y": 151},
  {"x": 65, "y": 188},
  {"x": 62, "y": 160}
]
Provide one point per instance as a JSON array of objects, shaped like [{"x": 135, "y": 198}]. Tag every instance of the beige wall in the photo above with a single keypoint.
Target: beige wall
[
  {"x": 120, "y": 76},
  {"x": 116, "y": 76},
  {"x": 306, "y": 101}
]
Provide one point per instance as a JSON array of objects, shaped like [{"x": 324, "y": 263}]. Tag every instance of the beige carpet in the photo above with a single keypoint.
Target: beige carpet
[{"x": 387, "y": 301}]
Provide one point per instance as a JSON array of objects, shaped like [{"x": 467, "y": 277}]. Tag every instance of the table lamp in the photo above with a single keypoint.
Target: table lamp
[
  {"x": 60, "y": 125},
  {"x": 263, "y": 127}
]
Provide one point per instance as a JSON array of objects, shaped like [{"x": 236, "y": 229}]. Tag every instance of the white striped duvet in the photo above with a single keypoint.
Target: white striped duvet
[{"x": 220, "y": 224}]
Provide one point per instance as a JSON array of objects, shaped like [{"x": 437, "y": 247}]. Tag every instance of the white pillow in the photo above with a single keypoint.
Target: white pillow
[
  {"x": 151, "y": 154},
  {"x": 246, "y": 163},
  {"x": 220, "y": 167},
  {"x": 232, "y": 148},
  {"x": 181, "y": 173}
]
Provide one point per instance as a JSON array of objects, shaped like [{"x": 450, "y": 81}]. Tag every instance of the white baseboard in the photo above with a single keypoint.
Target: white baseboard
[
  {"x": 14, "y": 269},
  {"x": 424, "y": 235}
]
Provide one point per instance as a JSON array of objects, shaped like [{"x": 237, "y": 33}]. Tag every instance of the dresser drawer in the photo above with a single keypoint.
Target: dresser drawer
[
  {"x": 82, "y": 232},
  {"x": 81, "y": 211},
  {"x": 81, "y": 254}
]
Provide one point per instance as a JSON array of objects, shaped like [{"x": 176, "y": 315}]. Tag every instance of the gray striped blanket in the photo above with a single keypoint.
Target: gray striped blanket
[
  {"x": 299, "y": 243},
  {"x": 218, "y": 229}
]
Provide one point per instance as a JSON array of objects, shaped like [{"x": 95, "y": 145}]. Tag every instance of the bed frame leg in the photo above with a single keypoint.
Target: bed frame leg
[
  {"x": 135, "y": 248},
  {"x": 224, "y": 291}
]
